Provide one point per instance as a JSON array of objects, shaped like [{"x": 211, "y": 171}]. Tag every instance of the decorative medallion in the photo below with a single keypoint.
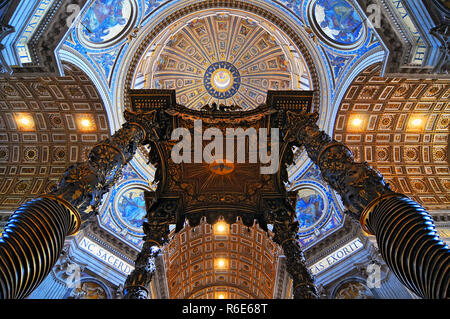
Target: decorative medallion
[
  {"x": 124, "y": 210},
  {"x": 222, "y": 80},
  {"x": 130, "y": 208},
  {"x": 311, "y": 208},
  {"x": 107, "y": 22},
  {"x": 337, "y": 23}
]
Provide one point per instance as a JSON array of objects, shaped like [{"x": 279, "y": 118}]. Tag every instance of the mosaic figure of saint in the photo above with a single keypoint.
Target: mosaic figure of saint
[
  {"x": 309, "y": 207},
  {"x": 132, "y": 208},
  {"x": 101, "y": 18},
  {"x": 341, "y": 19}
]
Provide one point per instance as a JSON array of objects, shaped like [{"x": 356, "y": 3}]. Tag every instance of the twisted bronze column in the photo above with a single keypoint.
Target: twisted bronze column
[
  {"x": 32, "y": 242},
  {"x": 405, "y": 233},
  {"x": 138, "y": 281},
  {"x": 285, "y": 230},
  {"x": 156, "y": 231},
  {"x": 408, "y": 241},
  {"x": 35, "y": 233}
]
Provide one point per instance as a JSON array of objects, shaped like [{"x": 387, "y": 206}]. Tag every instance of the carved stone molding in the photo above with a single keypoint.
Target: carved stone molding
[
  {"x": 346, "y": 233},
  {"x": 46, "y": 39},
  {"x": 390, "y": 36},
  {"x": 113, "y": 242},
  {"x": 401, "y": 44}
]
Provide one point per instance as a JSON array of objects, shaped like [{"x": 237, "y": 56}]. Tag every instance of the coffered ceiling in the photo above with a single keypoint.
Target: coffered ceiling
[
  {"x": 210, "y": 262},
  {"x": 400, "y": 126},
  {"x": 46, "y": 124}
]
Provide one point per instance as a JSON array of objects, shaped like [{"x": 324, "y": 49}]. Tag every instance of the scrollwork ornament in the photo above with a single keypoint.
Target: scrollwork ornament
[{"x": 357, "y": 183}]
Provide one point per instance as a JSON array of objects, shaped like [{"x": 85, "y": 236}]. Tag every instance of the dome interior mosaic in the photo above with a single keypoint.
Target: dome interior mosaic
[{"x": 225, "y": 57}]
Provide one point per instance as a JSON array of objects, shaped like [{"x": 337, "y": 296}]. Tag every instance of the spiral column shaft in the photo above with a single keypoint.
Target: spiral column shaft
[
  {"x": 285, "y": 230},
  {"x": 35, "y": 233},
  {"x": 156, "y": 230},
  {"x": 302, "y": 280},
  {"x": 405, "y": 232},
  {"x": 137, "y": 283},
  {"x": 31, "y": 244},
  {"x": 408, "y": 242}
]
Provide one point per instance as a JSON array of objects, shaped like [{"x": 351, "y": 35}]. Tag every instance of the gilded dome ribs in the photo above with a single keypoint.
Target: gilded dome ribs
[{"x": 237, "y": 58}]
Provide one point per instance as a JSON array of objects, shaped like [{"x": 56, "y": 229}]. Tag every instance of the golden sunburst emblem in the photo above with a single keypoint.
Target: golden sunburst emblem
[{"x": 221, "y": 167}]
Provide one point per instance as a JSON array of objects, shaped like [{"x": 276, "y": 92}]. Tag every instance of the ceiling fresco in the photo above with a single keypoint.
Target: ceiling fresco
[
  {"x": 123, "y": 209},
  {"x": 115, "y": 41},
  {"x": 310, "y": 207},
  {"x": 338, "y": 21},
  {"x": 131, "y": 207},
  {"x": 318, "y": 211},
  {"x": 106, "y": 22}
]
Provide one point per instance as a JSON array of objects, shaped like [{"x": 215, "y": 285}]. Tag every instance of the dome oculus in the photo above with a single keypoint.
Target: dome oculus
[{"x": 222, "y": 80}]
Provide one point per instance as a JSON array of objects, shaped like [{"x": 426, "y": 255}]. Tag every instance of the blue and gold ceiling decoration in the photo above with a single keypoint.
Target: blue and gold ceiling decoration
[
  {"x": 224, "y": 58},
  {"x": 337, "y": 22},
  {"x": 222, "y": 80},
  {"x": 123, "y": 210},
  {"x": 106, "y": 28},
  {"x": 106, "y": 22},
  {"x": 317, "y": 208}
]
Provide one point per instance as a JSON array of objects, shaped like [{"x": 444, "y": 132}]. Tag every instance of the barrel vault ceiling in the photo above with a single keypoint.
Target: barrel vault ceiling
[
  {"x": 403, "y": 130},
  {"x": 46, "y": 124}
]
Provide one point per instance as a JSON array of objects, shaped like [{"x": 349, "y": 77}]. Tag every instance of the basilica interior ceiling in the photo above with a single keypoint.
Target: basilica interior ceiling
[
  {"x": 232, "y": 53},
  {"x": 221, "y": 261},
  {"x": 400, "y": 126},
  {"x": 46, "y": 124},
  {"x": 229, "y": 52}
]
